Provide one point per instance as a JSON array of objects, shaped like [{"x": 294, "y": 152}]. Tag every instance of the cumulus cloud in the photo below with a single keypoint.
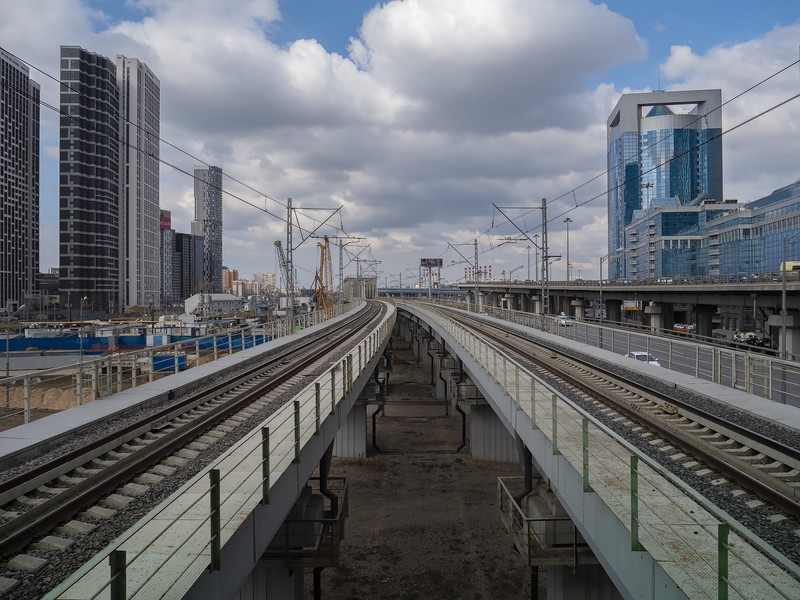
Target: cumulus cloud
[
  {"x": 439, "y": 109},
  {"x": 749, "y": 173}
]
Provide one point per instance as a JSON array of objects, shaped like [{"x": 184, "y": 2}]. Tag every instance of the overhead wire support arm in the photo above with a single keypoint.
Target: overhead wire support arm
[{"x": 543, "y": 248}]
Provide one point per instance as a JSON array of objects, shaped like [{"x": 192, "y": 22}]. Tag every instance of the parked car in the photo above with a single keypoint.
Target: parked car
[
  {"x": 644, "y": 357},
  {"x": 759, "y": 341}
]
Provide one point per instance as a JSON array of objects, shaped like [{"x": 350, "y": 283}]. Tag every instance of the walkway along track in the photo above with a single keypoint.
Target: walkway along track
[
  {"x": 78, "y": 479},
  {"x": 766, "y": 469}
]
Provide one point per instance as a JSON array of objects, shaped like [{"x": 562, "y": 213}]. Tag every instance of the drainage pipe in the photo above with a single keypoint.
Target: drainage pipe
[
  {"x": 374, "y": 437},
  {"x": 444, "y": 381},
  {"x": 459, "y": 409},
  {"x": 463, "y": 428},
  {"x": 324, "y": 470},
  {"x": 318, "y": 583},
  {"x": 527, "y": 460}
]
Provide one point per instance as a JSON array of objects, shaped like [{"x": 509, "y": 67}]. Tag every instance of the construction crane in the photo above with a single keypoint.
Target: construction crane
[
  {"x": 324, "y": 285},
  {"x": 286, "y": 271}
]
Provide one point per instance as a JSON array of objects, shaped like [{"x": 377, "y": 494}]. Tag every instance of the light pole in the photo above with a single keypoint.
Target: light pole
[
  {"x": 602, "y": 258},
  {"x": 8, "y": 326},
  {"x": 9, "y": 314},
  {"x": 567, "y": 221},
  {"x": 529, "y": 263},
  {"x": 536, "y": 255},
  {"x": 80, "y": 328},
  {"x": 786, "y": 242}
]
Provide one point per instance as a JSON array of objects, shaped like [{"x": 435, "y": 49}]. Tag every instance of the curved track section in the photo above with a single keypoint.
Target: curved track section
[
  {"x": 75, "y": 486},
  {"x": 744, "y": 469}
]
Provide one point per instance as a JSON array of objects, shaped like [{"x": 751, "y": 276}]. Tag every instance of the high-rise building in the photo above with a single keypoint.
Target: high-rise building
[
  {"x": 89, "y": 250},
  {"x": 208, "y": 223},
  {"x": 19, "y": 182},
  {"x": 664, "y": 148},
  {"x": 228, "y": 277},
  {"x": 187, "y": 270},
  {"x": 168, "y": 296},
  {"x": 140, "y": 234}
]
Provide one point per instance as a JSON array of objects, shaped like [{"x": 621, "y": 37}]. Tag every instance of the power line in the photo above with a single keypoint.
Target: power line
[
  {"x": 674, "y": 157},
  {"x": 123, "y": 119}
]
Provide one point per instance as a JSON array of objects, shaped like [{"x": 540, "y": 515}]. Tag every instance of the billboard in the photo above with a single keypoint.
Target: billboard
[{"x": 430, "y": 262}]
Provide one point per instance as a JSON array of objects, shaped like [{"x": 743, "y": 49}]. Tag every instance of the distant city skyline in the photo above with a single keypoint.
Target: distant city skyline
[{"x": 416, "y": 131}]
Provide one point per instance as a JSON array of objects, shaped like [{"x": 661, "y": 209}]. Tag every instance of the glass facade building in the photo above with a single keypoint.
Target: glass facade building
[
  {"x": 89, "y": 165},
  {"x": 140, "y": 244},
  {"x": 208, "y": 224},
  {"x": 19, "y": 182},
  {"x": 751, "y": 240},
  {"x": 664, "y": 149},
  {"x": 714, "y": 238}
]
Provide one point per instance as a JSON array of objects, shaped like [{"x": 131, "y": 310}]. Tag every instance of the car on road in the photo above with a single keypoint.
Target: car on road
[
  {"x": 564, "y": 321},
  {"x": 644, "y": 357}
]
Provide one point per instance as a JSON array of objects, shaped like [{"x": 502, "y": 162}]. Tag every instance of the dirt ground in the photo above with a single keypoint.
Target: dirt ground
[{"x": 423, "y": 520}]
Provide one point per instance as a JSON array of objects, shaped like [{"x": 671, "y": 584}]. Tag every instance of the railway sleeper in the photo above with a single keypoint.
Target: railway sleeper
[
  {"x": 792, "y": 474},
  {"x": 725, "y": 442},
  {"x": 755, "y": 458},
  {"x": 776, "y": 464}
]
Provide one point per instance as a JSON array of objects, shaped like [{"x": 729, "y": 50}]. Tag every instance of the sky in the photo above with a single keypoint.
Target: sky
[{"x": 416, "y": 127}]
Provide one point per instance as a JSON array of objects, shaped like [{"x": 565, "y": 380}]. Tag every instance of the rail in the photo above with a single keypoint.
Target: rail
[
  {"x": 37, "y": 394},
  {"x": 759, "y": 374},
  {"x": 201, "y": 516},
  {"x": 671, "y": 521}
]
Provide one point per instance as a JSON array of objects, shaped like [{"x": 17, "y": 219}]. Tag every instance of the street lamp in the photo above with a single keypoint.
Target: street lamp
[
  {"x": 529, "y": 263},
  {"x": 602, "y": 258},
  {"x": 536, "y": 255},
  {"x": 80, "y": 328},
  {"x": 567, "y": 221},
  {"x": 9, "y": 314},
  {"x": 786, "y": 242}
]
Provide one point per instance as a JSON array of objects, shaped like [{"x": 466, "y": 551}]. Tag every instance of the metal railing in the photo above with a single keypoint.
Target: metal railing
[
  {"x": 200, "y": 517},
  {"x": 762, "y": 375},
  {"x": 716, "y": 557},
  {"x": 40, "y": 393},
  {"x": 542, "y": 541}
]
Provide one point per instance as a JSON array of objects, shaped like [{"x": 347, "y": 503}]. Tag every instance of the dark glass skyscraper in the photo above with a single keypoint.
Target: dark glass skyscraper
[
  {"x": 208, "y": 224},
  {"x": 89, "y": 247},
  {"x": 19, "y": 182},
  {"x": 663, "y": 147}
]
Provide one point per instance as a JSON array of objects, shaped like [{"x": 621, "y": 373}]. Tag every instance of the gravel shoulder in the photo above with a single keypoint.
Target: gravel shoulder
[{"x": 423, "y": 520}]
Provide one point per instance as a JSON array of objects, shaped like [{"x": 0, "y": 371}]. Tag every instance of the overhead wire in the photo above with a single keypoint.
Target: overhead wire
[
  {"x": 122, "y": 118},
  {"x": 579, "y": 204}
]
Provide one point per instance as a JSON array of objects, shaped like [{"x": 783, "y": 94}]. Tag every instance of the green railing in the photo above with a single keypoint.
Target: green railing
[
  {"x": 165, "y": 553},
  {"x": 711, "y": 556}
]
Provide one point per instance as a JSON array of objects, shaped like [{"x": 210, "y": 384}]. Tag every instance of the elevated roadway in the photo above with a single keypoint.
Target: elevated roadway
[{"x": 753, "y": 302}]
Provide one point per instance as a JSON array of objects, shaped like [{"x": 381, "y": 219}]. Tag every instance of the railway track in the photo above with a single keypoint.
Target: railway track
[
  {"x": 754, "y": 469},
  {"x": 43, "y": 507}
]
